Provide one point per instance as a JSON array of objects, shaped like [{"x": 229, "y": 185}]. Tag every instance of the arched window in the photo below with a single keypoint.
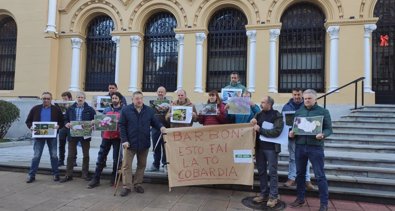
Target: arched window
[
  {"x": 160, "y": 53},
  {"x": 8, "y": 35},
  {"x": 384, "y": 52},
  {"x": 302, "y": 48},
  {"x": 100, "y": 56},
  {"x": 227, "y": 48}
]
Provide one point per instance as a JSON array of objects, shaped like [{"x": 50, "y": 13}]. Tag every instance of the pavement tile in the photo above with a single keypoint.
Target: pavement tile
[
  {"x": 305, "y": 208},
  {"x": 391, "y": 207},
  {"x": 346, "y": 205},
  {"x": 370, "y": 206},
  {"x": 185, "y": 206},
  {"x": 214, "y": 205}
]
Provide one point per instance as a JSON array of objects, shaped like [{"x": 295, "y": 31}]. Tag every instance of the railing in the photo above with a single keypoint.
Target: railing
[{"x": 355, "y": 93}]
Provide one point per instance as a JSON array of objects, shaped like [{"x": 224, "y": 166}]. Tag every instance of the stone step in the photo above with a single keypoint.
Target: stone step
[
  {"x": 338, "y": 138},
  {"x": 356, "y": 129},
  {"x": 374, "y": 110},
  {"x": 371, "y": 148},
  {"x": 364, "y": 134},
  {"x": 390, "y": 115},
  {"x": 378, "y": 106},
  {"x": 373, "y": 124},
  {"x": 379, "y": 160},
  {"x": 359, "y": 171},
  {"x": 359, "y": 118}
]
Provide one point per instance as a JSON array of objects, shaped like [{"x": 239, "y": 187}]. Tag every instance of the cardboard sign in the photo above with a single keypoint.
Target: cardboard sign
[{"x": 220, "y": 154}]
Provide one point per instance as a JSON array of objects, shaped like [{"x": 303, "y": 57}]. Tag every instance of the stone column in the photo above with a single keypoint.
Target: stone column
[
  {"x": 51, "y": 24},
  {"x": 200, "y": 37},
  {"x": 134, "y": 59},
  {"x": 116, "y": 39},
  {"x": 251, "y": 60},
  {"x": 333, "y": 32},
  {"x": 180, "y": 65},
  {"x": 274, "y": 33},
  {"x": 75, "y": 64},
  {"x": 369, "y": 28}
]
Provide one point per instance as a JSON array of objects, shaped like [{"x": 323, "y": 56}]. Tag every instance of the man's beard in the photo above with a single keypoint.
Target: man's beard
[{"x": 115, "y": 103}]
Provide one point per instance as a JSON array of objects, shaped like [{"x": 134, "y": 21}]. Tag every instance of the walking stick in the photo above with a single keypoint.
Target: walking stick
[
  {"x": 157, "y": 142},
  {"x": 119, "y": 171}
]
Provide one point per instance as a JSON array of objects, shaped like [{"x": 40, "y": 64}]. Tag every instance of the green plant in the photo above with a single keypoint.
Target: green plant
[{"x": 8, "y": 114}]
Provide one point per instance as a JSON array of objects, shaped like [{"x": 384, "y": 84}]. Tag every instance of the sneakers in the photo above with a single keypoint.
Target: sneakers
[
  {"x": 289, "y": 183},
  {"x": 125, "y": 192},
  {"x": 309, "y": 186},
  {"x": 260, "y": 199},
  {"x": 272, "y": 202},
  {"x": 66, "y": 179},
  {"x": 323, "y": 208},
  {"x": 93, "y": 183},
  {"x": 56, "y": 178},
  {"x": 60, "y": 163},
  {"x": 30, "y": 179},
  {"x": 298, "y": 203},
  {"x": 139, "y": 189},
  {"x": 153, "y": 169}
]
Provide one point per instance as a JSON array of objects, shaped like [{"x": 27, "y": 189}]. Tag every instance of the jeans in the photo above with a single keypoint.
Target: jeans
[
  {"x": 292, "y": 164},
  {"x": 158, "y": 150},
  {"x": 102, "y": 156},
  {"x": 73, "y": 152},
  {"x": 267, "y": 160},
  {"x": 315, "y": 154},
  {"x": 127, "y": 179},
  {"x": 38, "y": 147}
]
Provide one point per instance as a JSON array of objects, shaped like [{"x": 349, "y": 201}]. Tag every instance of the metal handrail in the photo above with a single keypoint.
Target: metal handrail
[{"x": 355, "y": 93}]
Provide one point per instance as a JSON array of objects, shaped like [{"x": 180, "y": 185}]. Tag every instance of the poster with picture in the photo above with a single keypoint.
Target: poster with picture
[
  {"x": 181, "y": 114},
  {"x": 239, "y": 105},
  {"x": 44, "y": 129},
  {"x": 80, "y": 128},
  {"x": 106, "y": 122},
  {"x": 63, "y": 105},
  {"x": 209, "y": 109},
  {"x": 103, "y": 102},
  {"x": 308, "y": 125},
  {"x": 226, "y": 94}
]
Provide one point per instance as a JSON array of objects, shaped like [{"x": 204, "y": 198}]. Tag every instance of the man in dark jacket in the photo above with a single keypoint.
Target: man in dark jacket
[
  {"x": 293, "y": 105},
  {"x": 45, "y": 112},
  {"x": 135, "y": 122},
  {"x": 79, "y": 111},
  {"x": 311, "y": 147},
  {"x": 268, "y": 123}
]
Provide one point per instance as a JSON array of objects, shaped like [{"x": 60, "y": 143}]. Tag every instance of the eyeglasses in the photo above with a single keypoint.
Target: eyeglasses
[
  {"x": 211, "y": 95},
  {"x": 45, "y": 98}
]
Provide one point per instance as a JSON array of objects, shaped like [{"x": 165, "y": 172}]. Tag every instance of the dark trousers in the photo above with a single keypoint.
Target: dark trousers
[
  {"x": 159, "y": 147},
  {"x": 105, "y": 147},
  {"x": 315, "y": 154},
  {"x": 63, "y": 133},
  {"x": 73, "y": 152},
  {"x": 267, "y": 160}
]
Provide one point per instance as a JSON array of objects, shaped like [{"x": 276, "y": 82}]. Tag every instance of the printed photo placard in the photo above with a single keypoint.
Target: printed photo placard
[
  {"x": 181, "y": 114},
  {"x": 63, "y": 105},
  {"x": 308, "y": 125},
  {"x": 209, "y": 109},
  {"x": 226, "y": 94},
  {"x": 239, "y": 105},
  {"x": 80, "y": 128},
  {"x": 103, "y": 102},
  {"x": 44, "y": 130},
  {"x": 106, "y": 122}
]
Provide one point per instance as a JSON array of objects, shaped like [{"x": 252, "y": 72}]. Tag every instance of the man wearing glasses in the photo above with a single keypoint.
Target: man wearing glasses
[{"x": 45, "y": 112}]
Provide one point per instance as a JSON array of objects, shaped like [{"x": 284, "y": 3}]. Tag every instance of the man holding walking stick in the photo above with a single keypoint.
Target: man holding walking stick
[{"x": 135, "y": 122}]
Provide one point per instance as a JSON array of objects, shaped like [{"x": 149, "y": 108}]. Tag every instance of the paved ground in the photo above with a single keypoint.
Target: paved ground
[{"x": 44, "y": 194}]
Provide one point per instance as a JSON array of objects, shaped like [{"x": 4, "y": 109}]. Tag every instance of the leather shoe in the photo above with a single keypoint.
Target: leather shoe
[
  {"x": 309, "y": 186},
  {"x": 289, "y": 183},
  {"x": 66, "y": 179},
  {"x": 298, "y": 203},
  {"x": 138, "y": 189},
  {"x": 30, "y": 179},
  {"x": 125, "y": 192},
  {"x": 56, "y": 178},
  {"x": 93, "y": 183}
]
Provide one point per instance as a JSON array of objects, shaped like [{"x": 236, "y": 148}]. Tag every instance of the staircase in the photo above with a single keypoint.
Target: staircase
[{"x": 359, "y": 155}]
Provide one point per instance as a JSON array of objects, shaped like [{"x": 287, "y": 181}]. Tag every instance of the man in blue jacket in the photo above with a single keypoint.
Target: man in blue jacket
[
  {"x": 293, "y": 105},
  {"x": 135, "y": 122},
  {"x": 311, "y": 147}
]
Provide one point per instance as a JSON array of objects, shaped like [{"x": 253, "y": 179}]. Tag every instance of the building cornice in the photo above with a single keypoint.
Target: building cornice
[{"x": 348, "y": 22}]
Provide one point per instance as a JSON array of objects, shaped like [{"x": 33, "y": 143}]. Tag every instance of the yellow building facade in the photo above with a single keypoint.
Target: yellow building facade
[{"x": 53, "y": 47}]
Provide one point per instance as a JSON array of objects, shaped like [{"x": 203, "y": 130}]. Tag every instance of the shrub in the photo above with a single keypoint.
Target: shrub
[{"x": 8, "y": 114}]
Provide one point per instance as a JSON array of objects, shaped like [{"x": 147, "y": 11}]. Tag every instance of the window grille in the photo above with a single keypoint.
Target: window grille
[
  {"x": 227, "y": 48},
  {"x": 101, "y": 54},
  {"x": 8, "y": 34},
  {"x": 302, "y": 48}
]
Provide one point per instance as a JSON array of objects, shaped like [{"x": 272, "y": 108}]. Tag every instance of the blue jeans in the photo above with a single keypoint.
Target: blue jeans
[
  {"x": 315, "y": 154},
  {"x": 102, "y": 156},
  {"x": 267, "y": 160},
  {"x": 38, "y": 147},
  {"x": 158, "y": 150},
  {"x": 292, "y": 163}
]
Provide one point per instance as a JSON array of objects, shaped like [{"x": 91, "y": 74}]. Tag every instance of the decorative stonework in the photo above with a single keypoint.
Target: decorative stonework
[
  {"x": 142, "y": 3},
  {"x": 362, "y": 8},
  {"x": 105, "y": 3},
  {"x": 204, "y": 2},
  {"x": 274, "y": 3}
]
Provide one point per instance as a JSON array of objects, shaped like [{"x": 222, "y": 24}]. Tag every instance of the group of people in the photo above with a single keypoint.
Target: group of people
[{"x": 139, "y": 124}]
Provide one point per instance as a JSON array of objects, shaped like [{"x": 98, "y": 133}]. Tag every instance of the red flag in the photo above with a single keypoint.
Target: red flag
[{"x": 384, "y": 40}]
